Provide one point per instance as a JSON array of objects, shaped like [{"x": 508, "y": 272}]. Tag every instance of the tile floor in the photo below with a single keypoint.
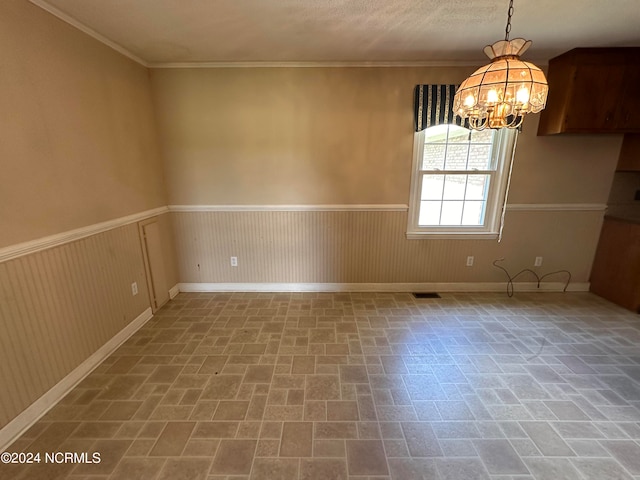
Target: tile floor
[{"x": 359, "y": 386}]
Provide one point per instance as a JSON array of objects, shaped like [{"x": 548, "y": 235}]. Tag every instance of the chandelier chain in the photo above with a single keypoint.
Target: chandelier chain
[{"x": 507, "y": 30}]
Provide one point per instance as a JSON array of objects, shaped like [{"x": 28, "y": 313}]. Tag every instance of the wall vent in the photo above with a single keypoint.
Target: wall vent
[{"x": 426, "y": 295}]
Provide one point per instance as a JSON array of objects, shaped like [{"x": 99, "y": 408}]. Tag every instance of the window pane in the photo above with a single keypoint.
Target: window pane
[
  {"x": 433, "y": 156},
  {"x": 482, "y": 136},
  {"x": 432, "y": 187},
  {"x": 457, "y": 154},
  {"x": 457, "y": 178},
  {"x": 480, "y": 157},
  {"x": 473, "y": 213},
  {"x": 477, "y": 187},
  {"x": 451, "y": 213},
  {"x": 458, "y": 134},
  {"x": 429, "y": 213},
  {"x": 437, "y": 133},
  {"x": 454, "y": 186}
]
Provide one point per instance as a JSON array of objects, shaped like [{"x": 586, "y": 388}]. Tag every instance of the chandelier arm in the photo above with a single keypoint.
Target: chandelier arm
[
  {"x": 520, "y": 121},
  {"x": 516, "y": 121}
]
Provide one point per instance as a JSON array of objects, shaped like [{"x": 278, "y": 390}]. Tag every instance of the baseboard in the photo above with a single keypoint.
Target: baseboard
[
  {"x": 40, "y": 407},
  {"x": 174, "y": 291},
  {"x": 382, "y": 287}
]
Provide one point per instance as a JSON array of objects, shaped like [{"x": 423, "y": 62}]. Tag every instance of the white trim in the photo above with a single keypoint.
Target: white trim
[
  {"x": 416, "y": 183},
  {"x": 174, "y": 291},
  {"x": 89, "y": 31},
  {"x": 451, "y": 236},
  {"x": 381, "y": 287},
  {"x": 40, "y": 407},
  {"x": 559, "y": 207},
  {"x": 587, "y": 207},
  {"x": 33, "y": 246},
  {"x": 289, "y": 208}
]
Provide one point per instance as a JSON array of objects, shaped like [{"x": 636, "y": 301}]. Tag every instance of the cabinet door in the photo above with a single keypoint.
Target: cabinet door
[
  {"x": 594, "y": 101},
  {"x": 616, "y": 268},
  {"x": 629, "y": 110},
  {"x": 629, "y": 159}
]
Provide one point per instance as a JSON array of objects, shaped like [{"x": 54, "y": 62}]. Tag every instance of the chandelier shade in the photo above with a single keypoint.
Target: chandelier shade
[{"x": 499, "y": 94}]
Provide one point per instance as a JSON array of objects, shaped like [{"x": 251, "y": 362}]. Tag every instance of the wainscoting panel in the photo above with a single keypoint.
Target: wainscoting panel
[
  {"x": 60, "y": 305},
  {"x": 371, "y": 247}
]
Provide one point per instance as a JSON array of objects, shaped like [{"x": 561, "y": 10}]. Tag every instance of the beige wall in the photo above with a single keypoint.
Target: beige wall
[
  {"x": 264, "y": 136},
  {"x": 78, "y": 143},
  {"x": 288, "y": 135},
  {"x": 78, "y": 146},
  {"x": 334, "y": 136},
  {"x": 563, "y": 168}
]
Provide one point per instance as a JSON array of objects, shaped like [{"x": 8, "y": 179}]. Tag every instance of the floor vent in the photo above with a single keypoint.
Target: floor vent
[{"x": 426, "y": 295}]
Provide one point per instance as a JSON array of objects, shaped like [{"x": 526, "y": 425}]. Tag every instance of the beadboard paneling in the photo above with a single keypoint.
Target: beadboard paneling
[
  {"x": 370, "y": 247},
  {"x": 58, "y": 306}
]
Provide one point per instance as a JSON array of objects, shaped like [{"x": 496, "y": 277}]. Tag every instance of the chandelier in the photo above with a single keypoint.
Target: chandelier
[{"x": 499, "y": 94}]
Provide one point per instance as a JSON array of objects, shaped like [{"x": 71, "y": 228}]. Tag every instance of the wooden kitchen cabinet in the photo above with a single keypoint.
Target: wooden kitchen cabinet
[
  {"x": 616, "y": 267},
  {"x": 629, "y": 109},
  {"x": 593, "y": 90},
  {"x": 629, "y": 159}
]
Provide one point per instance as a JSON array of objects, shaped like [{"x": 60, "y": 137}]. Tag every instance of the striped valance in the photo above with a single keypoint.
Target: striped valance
[{"x": 434, "y": 105}]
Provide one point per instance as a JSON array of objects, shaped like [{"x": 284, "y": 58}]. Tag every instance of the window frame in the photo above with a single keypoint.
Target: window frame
[{"x": 502, "y": 152}]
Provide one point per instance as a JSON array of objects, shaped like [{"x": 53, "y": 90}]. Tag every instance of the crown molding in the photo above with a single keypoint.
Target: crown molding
[
  {"x": 328, "y": 64},
  {"x": 89, "y": 31}
]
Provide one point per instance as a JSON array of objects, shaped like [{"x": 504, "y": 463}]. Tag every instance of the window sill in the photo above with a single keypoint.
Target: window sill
[{"x": 452, "y": 236}]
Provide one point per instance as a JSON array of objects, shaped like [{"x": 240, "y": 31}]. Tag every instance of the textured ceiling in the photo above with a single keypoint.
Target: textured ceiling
[{"x": 402, "y": 31}]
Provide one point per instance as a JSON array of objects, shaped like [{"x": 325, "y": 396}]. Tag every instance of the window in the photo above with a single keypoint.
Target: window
[{"x": 458, "y": 181}]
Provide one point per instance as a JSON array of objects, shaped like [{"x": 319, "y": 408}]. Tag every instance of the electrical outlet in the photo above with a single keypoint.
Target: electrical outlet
[
  {"x": 538, "y": 262},
  {"x": 470, "y": 261},
  {"x": 134, "y": 288},
  {"x": 234, "y": 261}
]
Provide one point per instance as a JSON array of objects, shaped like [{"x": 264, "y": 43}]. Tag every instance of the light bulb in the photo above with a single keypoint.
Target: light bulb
[
  {"x": 470, "y": 101},
  {"x": 522, "y": 95},
  {"x": 492, "y": 96}
]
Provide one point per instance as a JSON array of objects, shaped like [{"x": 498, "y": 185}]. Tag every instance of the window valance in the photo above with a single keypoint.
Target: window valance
[{"x": 434, "y": 106}]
